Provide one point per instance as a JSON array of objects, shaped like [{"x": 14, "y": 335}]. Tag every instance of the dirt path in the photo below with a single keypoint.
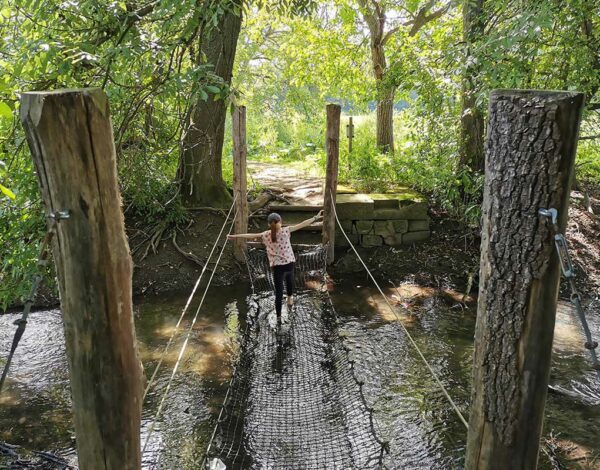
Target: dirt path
[{"x": 297, "y": 185}]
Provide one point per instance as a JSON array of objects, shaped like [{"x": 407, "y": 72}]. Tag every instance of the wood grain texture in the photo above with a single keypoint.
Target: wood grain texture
[
  {"x": 331, "y": 178},
  {"x": 239, "y": 180},
  {"x": 530, "y": 152},
  {"x": 70, "y": 136}
]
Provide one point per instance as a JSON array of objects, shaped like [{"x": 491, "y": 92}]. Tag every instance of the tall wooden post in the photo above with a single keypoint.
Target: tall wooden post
[
  {"x": 239, "y": 179},
  {"x": 331, "y": 178},
  {"x": 530, "y": 150},
  {"x": 71, "y": 140},
  {"x": 350, "y": 135}
]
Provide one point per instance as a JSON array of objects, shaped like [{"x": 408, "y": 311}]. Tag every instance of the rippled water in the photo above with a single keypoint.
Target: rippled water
[{"x": 411, "y": 412}]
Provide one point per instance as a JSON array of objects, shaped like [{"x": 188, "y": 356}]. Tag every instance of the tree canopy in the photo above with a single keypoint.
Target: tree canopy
[{"x": 419, "y": 57}]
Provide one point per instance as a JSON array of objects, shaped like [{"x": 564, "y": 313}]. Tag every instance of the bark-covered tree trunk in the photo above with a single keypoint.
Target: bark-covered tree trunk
[
  {"x": 385, "y": 103},
  {"x": 374, "y": 15},
  {"x": 593, "y": 46},
  {"x": 385, "y": 121},
  {"x": 530, "y": 155},
  {"x": 471, "y": 135},
  {"x": 200, "y": 171}
]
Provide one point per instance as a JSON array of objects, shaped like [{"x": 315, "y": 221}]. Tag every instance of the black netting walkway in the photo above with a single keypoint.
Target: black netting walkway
[{"x": 294, "y": 401}]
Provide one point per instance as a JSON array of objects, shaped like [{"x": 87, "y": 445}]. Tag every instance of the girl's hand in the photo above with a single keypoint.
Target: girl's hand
[
  {"x": 230, "y": 237},
  {"x": 319, "y": 215}
]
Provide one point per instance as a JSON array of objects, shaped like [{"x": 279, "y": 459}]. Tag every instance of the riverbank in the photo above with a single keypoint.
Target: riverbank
[{"x": 449, "y": 258}]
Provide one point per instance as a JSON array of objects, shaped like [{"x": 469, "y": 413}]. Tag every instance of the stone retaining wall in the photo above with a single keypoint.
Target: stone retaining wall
[{"x": 382, "y": 219}]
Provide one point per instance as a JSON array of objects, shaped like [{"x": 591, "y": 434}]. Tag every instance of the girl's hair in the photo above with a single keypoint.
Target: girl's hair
[{"x": 273, "y": 218}]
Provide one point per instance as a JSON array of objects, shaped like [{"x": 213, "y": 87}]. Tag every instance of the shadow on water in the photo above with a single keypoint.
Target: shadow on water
[
  {"x": 35, "y": 408},
  {"x": 411, "y": 413}
]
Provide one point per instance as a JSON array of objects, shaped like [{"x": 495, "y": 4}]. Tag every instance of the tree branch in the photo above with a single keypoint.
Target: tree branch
[{"x": 423, "y": 18}]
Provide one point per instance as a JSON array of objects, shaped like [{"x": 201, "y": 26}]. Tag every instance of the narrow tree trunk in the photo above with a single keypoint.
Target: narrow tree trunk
[
  {"x": 530, "y": 149},
  {"x": 385, "y": 121},
  {"x": 239, "y": 180},
  {"x": 593, "y": 47},
  {"x": 200, "y": 171},
  {"x": 70, "y": 137},
  {"x": 471, "y": 134},
  {"x": 385, "y": 103},
  {"x": 331, "y": 178}
]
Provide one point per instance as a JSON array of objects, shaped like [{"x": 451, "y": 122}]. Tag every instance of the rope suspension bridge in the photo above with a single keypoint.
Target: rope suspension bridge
[
  {"x": 295, "y": 399},
  {"x": 298, "y": 397}
]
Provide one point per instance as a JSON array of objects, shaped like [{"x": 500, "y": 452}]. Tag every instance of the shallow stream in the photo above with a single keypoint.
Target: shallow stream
[{"x": 422, "y": 429}]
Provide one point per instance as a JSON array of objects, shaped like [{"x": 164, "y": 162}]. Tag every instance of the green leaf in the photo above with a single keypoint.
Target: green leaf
[
  {"x": 5, "y": 110},
  {"x": 7, "y": 192},
  {"x": 213, "y": 89}
]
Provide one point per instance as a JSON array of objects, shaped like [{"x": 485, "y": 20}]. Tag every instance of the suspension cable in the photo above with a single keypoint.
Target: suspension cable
[
  {"x": 42, "y": 263},
  {"x": 183, "y": 347},
  {"x": 434, "y": 375},
  {"x": 189, "y": 301}
]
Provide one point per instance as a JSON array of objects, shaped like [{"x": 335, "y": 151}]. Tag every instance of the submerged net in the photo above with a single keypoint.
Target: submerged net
[{"x": 294, "y": 401}]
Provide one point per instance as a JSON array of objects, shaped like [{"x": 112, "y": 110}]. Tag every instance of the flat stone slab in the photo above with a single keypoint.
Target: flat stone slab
[
  {"x": 384, "y": 228},
  {"x": 400, "y": 226},
  {"x": 354, "y": 206},
  {"x": 393, "y": 240},
  {"x": 409, "y": 206},
  {"x": 385, "y": 201}
]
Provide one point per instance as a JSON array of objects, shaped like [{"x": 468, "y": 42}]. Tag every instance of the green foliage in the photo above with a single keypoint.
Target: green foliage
[
  {"x": 146, "y": 58},
  {"x": 23, "y": 228},
  {"x": 293, "y": 56},
  {"x": 425, "y": 159}
]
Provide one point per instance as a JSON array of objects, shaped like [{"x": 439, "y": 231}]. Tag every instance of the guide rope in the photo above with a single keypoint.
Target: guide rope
[
  {"x": 187, "y": 304},
  {"x": 412, "y": 341},
  {"x": 566, "y": 267},
  {"x": 184, "y": 346}
]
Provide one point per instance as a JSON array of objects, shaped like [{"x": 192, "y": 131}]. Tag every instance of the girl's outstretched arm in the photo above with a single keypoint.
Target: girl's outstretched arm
[
  {"x": 249, "y": 236},
  {"x": 307, "y": 222}
]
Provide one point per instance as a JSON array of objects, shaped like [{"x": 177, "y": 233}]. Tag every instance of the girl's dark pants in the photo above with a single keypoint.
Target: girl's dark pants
[{"x": 281, "y": 273}]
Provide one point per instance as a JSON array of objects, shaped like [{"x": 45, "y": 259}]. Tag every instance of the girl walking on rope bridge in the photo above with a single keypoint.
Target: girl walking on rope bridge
[{"x": 280, "y": 254}]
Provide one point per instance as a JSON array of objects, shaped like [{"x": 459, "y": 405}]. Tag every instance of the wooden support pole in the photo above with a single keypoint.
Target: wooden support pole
[
  {"x": 350, "y": 135},
  {"x": 530, "y": 151},
  {"x": 71, "y": 140},
  {"x": 331, "y": 178},
  {"x": 239, "y": 179}
]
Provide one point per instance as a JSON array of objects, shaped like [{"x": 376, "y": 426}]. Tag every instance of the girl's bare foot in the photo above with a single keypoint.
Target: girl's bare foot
[{"x": 290, "y": 300}]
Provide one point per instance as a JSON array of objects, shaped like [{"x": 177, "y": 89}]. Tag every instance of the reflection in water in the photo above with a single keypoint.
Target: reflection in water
[
  {"x": 35, "y": 408},
  {"x": 411, "y": 412}
]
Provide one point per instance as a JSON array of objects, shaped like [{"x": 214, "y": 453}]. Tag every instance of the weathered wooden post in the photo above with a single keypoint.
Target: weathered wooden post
[
  {"x": 331, "y": 178},
  {"x": 70, "y": 137},
  {"x": 239, "y": 179},
  {"x": 530, "y": 151},
  {"x": 350, "y": 135}
]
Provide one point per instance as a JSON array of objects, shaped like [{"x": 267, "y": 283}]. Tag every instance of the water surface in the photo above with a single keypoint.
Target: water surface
[{"x": 412, "y": 413}]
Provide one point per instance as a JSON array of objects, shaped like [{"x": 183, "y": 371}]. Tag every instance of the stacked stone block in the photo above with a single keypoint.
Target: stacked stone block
[{"x": 382, "y": 219}]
